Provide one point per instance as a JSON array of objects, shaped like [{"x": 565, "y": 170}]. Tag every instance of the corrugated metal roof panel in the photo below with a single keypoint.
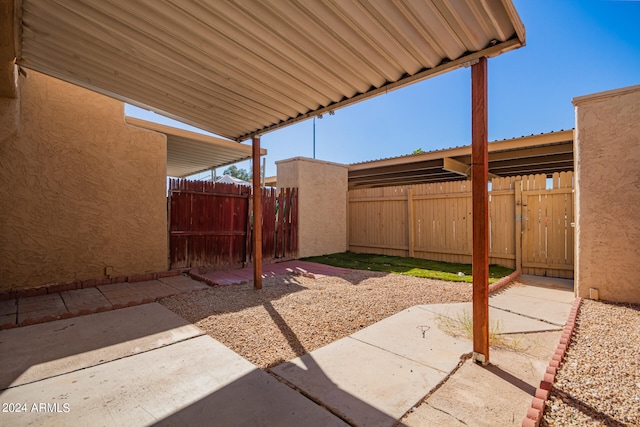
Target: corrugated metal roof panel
[
  {"x": 239, "y": 68},
  {"x": 534, "y": 139}
]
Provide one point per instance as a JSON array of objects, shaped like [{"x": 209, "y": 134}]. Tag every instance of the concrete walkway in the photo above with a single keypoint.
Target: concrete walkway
[
  {"x": 139, "y": 366},
  {"x": 144, "y": 365},
  {"x": 373, "y": 377},
  {"x": 77, "y": 302}
]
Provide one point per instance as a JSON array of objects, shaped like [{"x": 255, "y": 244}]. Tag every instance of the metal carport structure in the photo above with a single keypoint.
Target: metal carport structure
[{"x": 243, "y": 68}]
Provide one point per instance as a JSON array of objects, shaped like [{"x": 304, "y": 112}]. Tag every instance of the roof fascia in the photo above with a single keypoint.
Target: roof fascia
[
  {"x": 510, "y": 144},
  {"x": 463, "y": 61}
]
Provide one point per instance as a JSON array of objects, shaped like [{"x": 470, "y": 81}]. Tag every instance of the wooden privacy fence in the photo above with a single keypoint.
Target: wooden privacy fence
[
  {"x": 530, "y": 227},
  {"x": 210, "y": 224},
  {"x": 279, "y": 224}
]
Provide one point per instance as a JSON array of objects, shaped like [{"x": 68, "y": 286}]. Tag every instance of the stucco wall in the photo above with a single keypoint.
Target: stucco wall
[
  {"x": 607, "y": 159},
  {"x": 322, "y": 203},
  {"x": 80, "y": 189}
]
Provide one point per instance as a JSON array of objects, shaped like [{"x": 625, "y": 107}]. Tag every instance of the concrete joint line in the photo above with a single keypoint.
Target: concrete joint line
[
  {"x": 529, "y": 317},
  {"x": 103, "y": 363},
  {"x": 447, "y": 413},
  {"x": 399, "y": 355},
  {"x": 463, "y": 358},
  {"x": 308, "y": 396}
]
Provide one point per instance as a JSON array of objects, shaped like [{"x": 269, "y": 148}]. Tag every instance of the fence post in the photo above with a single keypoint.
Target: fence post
[
  {"x": 480, "y": 211},
  {"x": 348, "y": 216},
  {"x": 169, "y": 224},
  {"x": 518, "y": 223},
  {"x": 411, "y": 239},
  {"x": 257, "y": 215}
]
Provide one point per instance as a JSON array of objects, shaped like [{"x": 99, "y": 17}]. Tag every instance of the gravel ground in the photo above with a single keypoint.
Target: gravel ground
[
  {"x": 598, "y": 384},
  {"x": 293, "y": 315}
]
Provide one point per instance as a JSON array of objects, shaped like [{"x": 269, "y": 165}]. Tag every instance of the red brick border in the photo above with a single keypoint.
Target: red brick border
[
  {"x": 89, "y": 283},
  {"x": 535, "y": 412},
  {"x": 504, "y": 281},
  {"x": 195, "y": 274}
]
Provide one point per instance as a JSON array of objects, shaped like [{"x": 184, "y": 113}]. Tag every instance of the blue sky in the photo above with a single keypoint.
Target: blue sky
[{"x": 574, "y": 48}]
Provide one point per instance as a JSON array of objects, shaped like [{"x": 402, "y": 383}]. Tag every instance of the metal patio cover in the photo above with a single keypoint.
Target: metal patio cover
[
  {"x": 189, "y": 152},
  {"x": 243, "y": 68}
]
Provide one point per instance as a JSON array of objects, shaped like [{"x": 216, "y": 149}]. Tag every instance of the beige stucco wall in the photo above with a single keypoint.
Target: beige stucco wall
[
  {"x": 607, "y": 159},
  {"x": 322, "y": 203},
  {"x": 80, "y": 190}
]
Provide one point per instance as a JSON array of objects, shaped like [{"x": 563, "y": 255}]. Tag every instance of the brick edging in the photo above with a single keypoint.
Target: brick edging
[
  {"x": 76, "y": 313},
  {"x": 90, "y": 283},
  {"x": 195, "y": 274},
  {"x": 50, "y": 318},
  {"x": 536, "y": 411},
  {"x": 504, "y": 281}
]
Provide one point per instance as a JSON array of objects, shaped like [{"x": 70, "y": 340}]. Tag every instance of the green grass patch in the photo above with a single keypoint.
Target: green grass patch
[{"x": 408, "y": 266}]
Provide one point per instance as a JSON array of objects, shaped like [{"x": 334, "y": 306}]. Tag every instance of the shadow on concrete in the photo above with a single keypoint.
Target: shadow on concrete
[
  {"x": 32, "y": 353},
  {"x": 511, "y": 379},
  {"x": 225, "y": 406},
  {"x": 547, "y": 282},
  {"x": 252, "y": 400},
  {"x": 249, "y": 401}
]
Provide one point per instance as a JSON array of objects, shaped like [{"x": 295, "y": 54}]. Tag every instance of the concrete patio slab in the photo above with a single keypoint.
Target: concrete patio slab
[
  {"x": 183, "y": 283},
  {"x": 414, "y": 334},
  {"x": 495, "y": 395},
  {"x": 504, "y": 321},
  {"x": 194, "y": 382},
  {"x": 8, "y": 307},
  {"x": 366, "y": 385},
  {"x": 554, "y": 312},
  {"x": 551, "y": 282},
  {"x": 40, "y": 306},
  {"x": 123, "y": 293},
  {"x": 156, "y": 289},
  {"x": 84, "y": 299},
  {"x": 543, "y": 293},
  {"x": 33, "y": 353},
  {"x": 8, "y": 319}
]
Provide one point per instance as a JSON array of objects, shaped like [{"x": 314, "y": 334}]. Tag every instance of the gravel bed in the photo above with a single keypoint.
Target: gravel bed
[
  {"x": 293, "y": 315},
  {"x": 598, "y": 384}
]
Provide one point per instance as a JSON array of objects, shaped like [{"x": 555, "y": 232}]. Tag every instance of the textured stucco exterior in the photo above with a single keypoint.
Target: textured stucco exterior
[
  {"x": 607, "y": 159},
  {"x": 322, "y": 203},
  {"x": 82, "y": 193}
]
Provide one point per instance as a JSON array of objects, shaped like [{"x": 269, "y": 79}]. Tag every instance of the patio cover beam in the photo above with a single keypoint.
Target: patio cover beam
[
  {"x": 480, "y": 202},
  {"x": 257, "y": 216}
]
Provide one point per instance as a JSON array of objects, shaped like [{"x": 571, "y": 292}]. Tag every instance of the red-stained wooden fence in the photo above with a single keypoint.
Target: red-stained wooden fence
[
  {"x": 210, "y": 224},
  {"x": 279, "y": 224}
]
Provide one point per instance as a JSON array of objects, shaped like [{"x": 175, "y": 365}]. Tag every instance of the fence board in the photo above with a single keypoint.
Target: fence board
[
  {"x": 210, "y": 224},
  {"x": 441, "y": 224}
]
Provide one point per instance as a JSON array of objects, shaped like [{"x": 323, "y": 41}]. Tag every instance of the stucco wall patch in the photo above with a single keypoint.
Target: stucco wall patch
[
  {"x": 322, "y": 203},
  {"x": 81, "y": 190},
  {"x": 607, "y": 155}
]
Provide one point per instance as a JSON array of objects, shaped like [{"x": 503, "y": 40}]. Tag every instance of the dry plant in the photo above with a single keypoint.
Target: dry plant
[{"x": 461, "y": 325}]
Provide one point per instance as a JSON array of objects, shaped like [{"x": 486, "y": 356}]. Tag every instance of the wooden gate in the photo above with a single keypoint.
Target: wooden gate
[
  {"x": 211, "y": 224},
  {"x": 548, "y": 227},
  {"x": 207, "y": 223},
  {"x": 279, "y": 225}
]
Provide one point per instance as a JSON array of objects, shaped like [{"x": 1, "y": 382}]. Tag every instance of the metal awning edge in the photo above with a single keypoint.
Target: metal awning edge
[{"x": 464, "y": 61}]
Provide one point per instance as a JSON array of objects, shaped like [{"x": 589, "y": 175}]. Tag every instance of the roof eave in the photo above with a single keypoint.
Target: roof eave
[{"x": 464, "y": 61}]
